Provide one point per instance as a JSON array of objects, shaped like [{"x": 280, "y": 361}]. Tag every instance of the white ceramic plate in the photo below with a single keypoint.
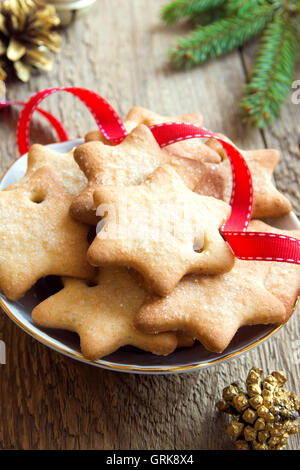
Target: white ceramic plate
[{"x": 127, "y": 359}]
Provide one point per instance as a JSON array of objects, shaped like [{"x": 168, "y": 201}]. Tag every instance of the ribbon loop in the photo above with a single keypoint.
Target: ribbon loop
[
  {"x": 55, "y": 123},
  {"x": 109, "y": 122},
  {"x": 242, "y": 192}
]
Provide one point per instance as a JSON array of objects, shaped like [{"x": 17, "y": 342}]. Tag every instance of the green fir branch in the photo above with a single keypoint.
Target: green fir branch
[
  {"x": 224, "y": 25},
  {"x": 209, "y": 16},
  {"x": 179, "y": 9},
  {"x": 219, "y": 37},
  {"x": 273, "y": 72},
  {"x": 242, "y": 7}
]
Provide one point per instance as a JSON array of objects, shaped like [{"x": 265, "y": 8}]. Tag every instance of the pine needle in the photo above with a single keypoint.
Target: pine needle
[
  {"x": 209, "y": 16},
  {"x": 179, "y": 9},
  {"x": 219, "y": 37},
  {"x": 242, "y": 7},
  {"x": 273, "y": 72}
]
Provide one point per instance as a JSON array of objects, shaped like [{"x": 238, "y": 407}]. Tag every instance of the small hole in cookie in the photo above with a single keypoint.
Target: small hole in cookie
[
  {"x": 198, "y": 245},
  {"x": 37, "y": 197},
  {"x": 91, "y": 283}
]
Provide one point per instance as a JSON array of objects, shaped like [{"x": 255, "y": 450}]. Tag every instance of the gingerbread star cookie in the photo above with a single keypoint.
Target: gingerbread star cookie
[
  {"x": 38, "y": 236},
  {"x": 162, "y": 229},
  {"x": 207, "y": 179},
  {"x": 67, "y": 170},
  {"x": 213, "y": 308},
  {"x": 193, "y": 148},
  {"x": 283, "y": 279},
  {"x": 130, "y": 163},
  {"x": 102, "y": 314},
  {"x": 183, "y": 340},
  {"x": 267, "y": 200}
]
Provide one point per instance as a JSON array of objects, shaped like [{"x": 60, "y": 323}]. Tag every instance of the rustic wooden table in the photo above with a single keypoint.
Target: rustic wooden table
[{"x": 52, "y": 402}]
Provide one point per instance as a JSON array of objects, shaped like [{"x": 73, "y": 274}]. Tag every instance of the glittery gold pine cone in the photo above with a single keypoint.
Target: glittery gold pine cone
[
  {"x": 26, "y": 38},
  {"x": 265, "y": 414}
]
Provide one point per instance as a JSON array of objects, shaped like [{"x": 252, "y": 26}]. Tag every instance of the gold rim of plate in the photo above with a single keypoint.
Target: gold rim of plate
[{"x": 132, "y": 368}]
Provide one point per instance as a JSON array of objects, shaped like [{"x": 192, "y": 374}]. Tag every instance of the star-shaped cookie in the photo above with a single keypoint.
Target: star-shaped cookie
[
  {"x": 267, "y": 200},
  {"x": 207, "y": 179},
  {"x": 38, "y": 236},
  {"x": 193, "y": 148},
  {"x": 283, "y": 279},
  {"x": 213, "y": 308},
  {"x": 102, "y": 314},
  {"x": 130, "y": 163},
  {"x": 64, "y": 165},
  {"x": 162, "y": 229}
]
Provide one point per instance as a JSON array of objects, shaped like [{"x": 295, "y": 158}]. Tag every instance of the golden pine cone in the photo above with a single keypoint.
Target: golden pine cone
[
  {"x": 265, "y": 414},
  {"x": 26, "y": 37}
]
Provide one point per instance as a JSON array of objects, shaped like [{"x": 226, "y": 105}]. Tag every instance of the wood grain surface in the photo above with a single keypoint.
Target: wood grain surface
[{"x": 52, "y": 402}]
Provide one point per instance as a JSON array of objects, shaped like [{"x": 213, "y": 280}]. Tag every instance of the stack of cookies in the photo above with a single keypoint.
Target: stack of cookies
[{"x": 133, "y": 231}]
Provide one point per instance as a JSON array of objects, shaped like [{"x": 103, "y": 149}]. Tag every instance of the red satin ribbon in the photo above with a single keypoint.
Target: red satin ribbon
[
  {"x": 245, "y": 245},
  {"x": 55, "y": 123},
  {"x": 109, "y": 122}
]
